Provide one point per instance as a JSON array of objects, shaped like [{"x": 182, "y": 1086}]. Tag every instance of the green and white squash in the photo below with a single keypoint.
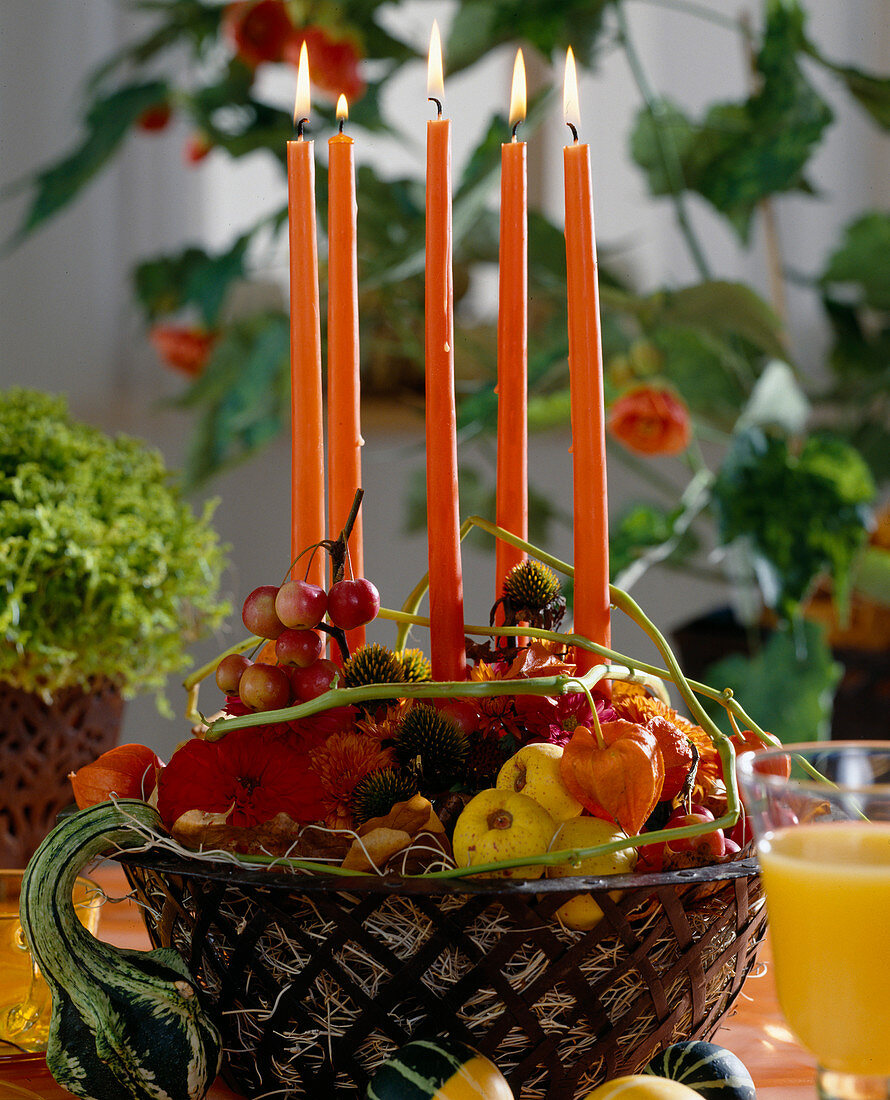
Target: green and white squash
[
  {"x": 438, "y": 1069},
  {"x": 713, "y": 1071},
  {"x": 125, "y": 1024}
]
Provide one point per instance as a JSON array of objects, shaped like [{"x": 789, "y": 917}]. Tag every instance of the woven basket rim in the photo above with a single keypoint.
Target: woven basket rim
[{"x": 268, "y": 878}]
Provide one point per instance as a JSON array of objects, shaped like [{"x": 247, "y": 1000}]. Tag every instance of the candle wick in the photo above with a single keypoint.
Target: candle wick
[
  {"x": 342, "y": 123},
  {"x": 574, "y": 130},
  {"x": 438, "y": 103},
  {"x": 303, "y": 122},
  {"x": 516, "y": 125}
]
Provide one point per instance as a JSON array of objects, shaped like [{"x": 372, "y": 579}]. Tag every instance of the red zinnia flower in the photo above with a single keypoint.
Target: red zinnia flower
[
  {"x": 651, "y": 420},
  {"x": 246, "y": 775},
  {"x": 257, "y": 29},
  {"x": 183, "y": 348}
]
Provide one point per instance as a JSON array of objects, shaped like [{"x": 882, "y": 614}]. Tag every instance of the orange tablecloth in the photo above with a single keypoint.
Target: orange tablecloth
[{"x": 754, "y": 1030}]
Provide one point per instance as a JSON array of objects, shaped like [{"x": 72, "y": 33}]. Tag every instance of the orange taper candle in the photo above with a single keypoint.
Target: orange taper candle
[
  {"x": 307, "y": 433},
  {"x": 591, "y": 519},
  {"x": 512, "y": 466},
  {"x": 344, "y": 420},
  {"x": 447, "y": 653}
]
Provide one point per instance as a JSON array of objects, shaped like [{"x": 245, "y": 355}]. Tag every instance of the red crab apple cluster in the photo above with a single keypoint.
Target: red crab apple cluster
[
  {"x": 289, "y": 616},
  {"x": 708, "y": 847}
]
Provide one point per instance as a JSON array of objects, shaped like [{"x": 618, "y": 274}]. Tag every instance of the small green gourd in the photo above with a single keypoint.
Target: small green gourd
[
  {"x": 125, "y": 1024},
  {"x": 712, "y": 1071}
]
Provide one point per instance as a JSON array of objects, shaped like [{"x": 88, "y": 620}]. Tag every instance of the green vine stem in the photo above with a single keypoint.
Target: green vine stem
[{"x": 614, "y": 665}]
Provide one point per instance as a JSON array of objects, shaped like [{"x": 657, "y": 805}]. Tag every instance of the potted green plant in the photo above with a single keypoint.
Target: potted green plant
[{"x": 107, "y": 576}]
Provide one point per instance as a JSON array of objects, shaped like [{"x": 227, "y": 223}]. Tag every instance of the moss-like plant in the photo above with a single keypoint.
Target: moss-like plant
[{"x": 105, "y": 570}]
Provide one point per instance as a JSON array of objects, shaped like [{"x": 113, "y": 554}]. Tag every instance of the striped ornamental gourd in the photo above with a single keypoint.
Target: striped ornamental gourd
[
  {"x": 713, "y": 1071},
  {"x": 438, "y": 1069},
  {"x": 125, "y": 1024}
]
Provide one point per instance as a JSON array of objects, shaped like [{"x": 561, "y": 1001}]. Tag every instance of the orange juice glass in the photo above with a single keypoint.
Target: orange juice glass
[
  {"x": 24, "y": 998},
  {"x": 821, "y": 816}
]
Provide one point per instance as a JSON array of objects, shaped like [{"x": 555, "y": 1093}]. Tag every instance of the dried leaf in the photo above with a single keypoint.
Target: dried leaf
[
  {"x": 383, "y": 837},
  {"x": 375, "y": 848},
  {"x": 210, "y": 831},
  {"x": 621, "y": 778},
  {"x": 539, "y": 659}
]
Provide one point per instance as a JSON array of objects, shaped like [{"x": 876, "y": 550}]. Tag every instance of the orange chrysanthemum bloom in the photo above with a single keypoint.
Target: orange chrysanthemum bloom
[
  {"x": 384, "y": 724},
  {"x": 340, "y": 763},
  {"x": 640, "y": 708},
  {"x": 484, "y": 673}
]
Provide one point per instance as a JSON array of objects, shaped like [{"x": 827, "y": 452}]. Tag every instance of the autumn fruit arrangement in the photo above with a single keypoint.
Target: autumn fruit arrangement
[
  {"x": 543, "y": 864},
  {"x": 356, "y": 758}
]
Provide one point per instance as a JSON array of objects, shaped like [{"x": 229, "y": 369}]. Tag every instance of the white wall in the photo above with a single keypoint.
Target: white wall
[{"x": 67, "y": 323}]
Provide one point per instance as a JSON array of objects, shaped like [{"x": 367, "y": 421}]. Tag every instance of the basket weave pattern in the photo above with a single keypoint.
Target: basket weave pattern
[
  {"x": 40, "y": 743},
  {"x": 315, "y": 982}
]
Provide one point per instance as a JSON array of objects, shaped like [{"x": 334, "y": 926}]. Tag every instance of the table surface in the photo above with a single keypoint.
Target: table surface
[{"x": 754, "y": 1030}]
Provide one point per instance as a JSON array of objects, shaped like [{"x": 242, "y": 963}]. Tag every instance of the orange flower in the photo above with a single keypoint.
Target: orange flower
[
  {"x": 484, "y": 673},
  {"x": 257, "y": 29},
  {"x": 333, "y": 61},
  {"x": 384, "y": 723},
  {"x": 183, "y": 348},
  {"x": 651, "y": 420},
  {"x": 342, "y": 762}
]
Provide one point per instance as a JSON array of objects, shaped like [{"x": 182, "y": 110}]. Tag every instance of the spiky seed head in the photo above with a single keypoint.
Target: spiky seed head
[
  {"x": 433, "y": 744},
  {"x": 531, "y": 584},
  {"x": 416, "y": 666},
  {"x": 373, "y": 664},
  {"x": 377, "y": 793}
]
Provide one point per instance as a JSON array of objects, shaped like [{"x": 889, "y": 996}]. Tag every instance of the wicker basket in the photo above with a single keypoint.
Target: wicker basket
[{"x": 316, "y": 980}]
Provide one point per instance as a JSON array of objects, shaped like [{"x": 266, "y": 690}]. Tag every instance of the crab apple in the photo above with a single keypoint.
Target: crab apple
[
  {"x": 308, "y": 683},
  {"x": 258, "y": 613},
  {"x": 462, "y": 712},
  {"x": 353, "y": 603},
  {"x": 301, "y": 605},
  {"x": 711, "y": 845},
  {"x": 298, "y": 647},
  {"x": 229, "y": 672},
  {"x": 264, "y": 687}
]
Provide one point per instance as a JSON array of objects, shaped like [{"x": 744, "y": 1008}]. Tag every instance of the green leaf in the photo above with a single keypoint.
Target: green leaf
[
  {"x": 862, "y": 260},
  {"x": 170, "y": 283},
  {"x": 637, "y": 529},
  {"x": 108, "y": 121},
  {"x": 711, "y": 375},
  {"x": 787, "y": 687},
  {"x": 720, "y": 308},
  {"x": 797, "y": 514},
  {"x": 243, "y": 395},
  {"x": 871, "y": 92},
  {"x": 871, "y": 575},
  {"x": 480, "y": 25},
  {"x": 740, "y": 153}
]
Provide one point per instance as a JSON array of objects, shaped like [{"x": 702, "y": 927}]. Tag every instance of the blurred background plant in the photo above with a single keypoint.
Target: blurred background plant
[{"x": 762, "y": 463}]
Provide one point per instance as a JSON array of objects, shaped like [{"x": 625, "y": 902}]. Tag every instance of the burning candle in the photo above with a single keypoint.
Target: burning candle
[
  {"x": 307, "y": 438},
  {"x": 512, "y": 464},
  {"x": 344, "y": 420},
  {"x": 590, "y": 499},
  {"x": 447, "y": 653}
]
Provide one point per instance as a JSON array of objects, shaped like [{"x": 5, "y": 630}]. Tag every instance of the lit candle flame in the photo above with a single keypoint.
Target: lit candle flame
[
  {"x": 302, "y": 102},
  {"x": 342, "y": 108},
  {"x": 435, "y": 82},
  {"x": 570, "y": 102},
  {"x": 517, "y": 93}
]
